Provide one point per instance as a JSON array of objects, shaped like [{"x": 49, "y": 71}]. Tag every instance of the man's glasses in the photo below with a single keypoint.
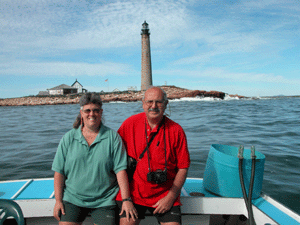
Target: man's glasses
[
  {"x": 150, "y": 102},
  {"x": 88, "y": 111}
]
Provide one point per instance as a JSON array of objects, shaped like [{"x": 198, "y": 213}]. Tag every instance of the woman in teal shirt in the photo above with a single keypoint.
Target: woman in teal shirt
[{"x": 90, "y": 167}]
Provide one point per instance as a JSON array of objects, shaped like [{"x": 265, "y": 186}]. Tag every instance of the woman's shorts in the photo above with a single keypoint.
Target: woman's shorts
[{"x": 103, "y": 215}]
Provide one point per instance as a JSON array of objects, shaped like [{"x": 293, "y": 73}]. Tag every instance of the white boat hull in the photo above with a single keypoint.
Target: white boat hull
[{"x": 195, "y": 209}]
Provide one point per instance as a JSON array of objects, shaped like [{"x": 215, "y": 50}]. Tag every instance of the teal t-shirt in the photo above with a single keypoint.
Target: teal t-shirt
[{"x": 90, "y": 171}]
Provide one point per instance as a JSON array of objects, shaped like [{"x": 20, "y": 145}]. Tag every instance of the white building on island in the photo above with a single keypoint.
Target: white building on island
[
  {"x": 63, "y": 89},
  {"x": 79, "y": 87}
]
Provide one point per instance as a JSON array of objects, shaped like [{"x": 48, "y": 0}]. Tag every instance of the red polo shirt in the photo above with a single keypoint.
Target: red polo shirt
[{"x": 133, "y": 134}]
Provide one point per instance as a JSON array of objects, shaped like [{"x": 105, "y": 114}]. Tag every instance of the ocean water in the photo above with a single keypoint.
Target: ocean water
[{"x": 30, "y": 135}]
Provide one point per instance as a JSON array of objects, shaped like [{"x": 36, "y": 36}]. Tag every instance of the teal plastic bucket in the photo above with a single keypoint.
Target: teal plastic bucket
[{"x": 221, "y": 175}]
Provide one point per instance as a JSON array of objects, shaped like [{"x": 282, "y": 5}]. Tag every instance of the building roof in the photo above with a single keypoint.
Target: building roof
[
  {"x": 77, "y": 82},
  {"x": 62, "y": 86}
]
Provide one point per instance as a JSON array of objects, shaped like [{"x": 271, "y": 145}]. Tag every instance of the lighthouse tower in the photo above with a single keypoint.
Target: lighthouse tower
[{"x": 146, "y": 78}]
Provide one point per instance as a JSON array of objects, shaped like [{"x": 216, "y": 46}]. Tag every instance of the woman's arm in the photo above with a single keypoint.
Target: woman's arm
[
  {"x": 59, "y": 183},
  {"x": 127, "y": 206}
]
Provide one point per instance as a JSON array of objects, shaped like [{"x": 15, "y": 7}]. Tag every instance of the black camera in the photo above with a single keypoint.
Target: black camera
[{"x": 158, "y": 176}]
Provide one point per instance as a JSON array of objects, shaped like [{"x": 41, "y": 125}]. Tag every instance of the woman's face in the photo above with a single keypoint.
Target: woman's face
[{"x": 91, "y": 115}]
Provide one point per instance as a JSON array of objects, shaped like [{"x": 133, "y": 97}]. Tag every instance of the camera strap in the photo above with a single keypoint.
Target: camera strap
[
  {"x": 148, "y": 144},
  {"x": 151, "y": 139}
]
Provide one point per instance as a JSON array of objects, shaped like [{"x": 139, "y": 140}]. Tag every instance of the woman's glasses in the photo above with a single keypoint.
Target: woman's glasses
[{"x": 88, "y": 111}]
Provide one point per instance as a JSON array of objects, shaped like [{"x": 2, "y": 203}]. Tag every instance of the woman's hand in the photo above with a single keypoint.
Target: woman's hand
[
  {"x": 59, "y": 182},
  {"x": 130, "y": 210},
  {"x": 58, "y": 210}
]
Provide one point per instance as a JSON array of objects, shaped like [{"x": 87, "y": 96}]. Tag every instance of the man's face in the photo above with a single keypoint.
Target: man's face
[{"x": 154, "y": 104}]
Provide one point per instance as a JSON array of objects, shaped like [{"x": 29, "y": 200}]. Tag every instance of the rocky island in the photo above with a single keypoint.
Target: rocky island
[{"x": 173, "y": 92}]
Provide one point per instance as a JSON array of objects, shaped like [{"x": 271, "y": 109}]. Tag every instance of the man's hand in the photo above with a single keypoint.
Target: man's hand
[{"x": 164, "y": 205}]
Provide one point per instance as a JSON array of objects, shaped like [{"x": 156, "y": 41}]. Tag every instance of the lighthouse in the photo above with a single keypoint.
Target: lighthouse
[{"x": 146, "y": 72}]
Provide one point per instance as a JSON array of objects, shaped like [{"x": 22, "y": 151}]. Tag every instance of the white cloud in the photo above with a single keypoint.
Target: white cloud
[
  {"x": 60, "y": 24},
  {"x": 231, "y": 41},
  {"x": 219, "y": 75},
  {"x": 31, "y": 68}
]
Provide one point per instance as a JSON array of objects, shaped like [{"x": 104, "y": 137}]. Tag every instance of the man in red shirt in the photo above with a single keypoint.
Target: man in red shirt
[{"x": 161, "y": 167}]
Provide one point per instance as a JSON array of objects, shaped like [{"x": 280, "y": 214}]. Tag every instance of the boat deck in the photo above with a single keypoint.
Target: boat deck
[{"x": 27, "y": 189}]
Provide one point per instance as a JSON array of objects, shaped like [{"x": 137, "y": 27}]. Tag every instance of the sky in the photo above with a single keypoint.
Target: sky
[{"x": 244, "y": 47}]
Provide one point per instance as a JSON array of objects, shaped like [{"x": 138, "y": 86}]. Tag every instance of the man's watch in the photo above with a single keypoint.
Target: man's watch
[{"x": 127, "y": 199}]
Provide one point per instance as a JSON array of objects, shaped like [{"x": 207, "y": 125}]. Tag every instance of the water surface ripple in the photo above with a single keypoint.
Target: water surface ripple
[{"x": 30, "y": 135}]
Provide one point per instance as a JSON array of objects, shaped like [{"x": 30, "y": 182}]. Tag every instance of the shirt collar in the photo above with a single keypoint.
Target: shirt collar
[
  {"x": 103, "y": 134},
  {"x": 154, "y": 130}
]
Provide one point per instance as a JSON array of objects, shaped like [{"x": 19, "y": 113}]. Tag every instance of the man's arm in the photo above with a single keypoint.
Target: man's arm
[{"x": 165, "y": 204}]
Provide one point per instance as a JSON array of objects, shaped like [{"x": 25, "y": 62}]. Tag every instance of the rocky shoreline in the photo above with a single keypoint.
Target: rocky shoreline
[{"x": 173, "y": 92}]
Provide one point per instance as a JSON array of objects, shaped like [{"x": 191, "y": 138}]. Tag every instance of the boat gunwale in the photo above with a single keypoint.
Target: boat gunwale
[{"x": 192, "y": 205}]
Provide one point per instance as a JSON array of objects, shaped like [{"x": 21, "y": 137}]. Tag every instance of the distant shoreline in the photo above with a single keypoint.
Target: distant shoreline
[{"x": 173, "y": 92}]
